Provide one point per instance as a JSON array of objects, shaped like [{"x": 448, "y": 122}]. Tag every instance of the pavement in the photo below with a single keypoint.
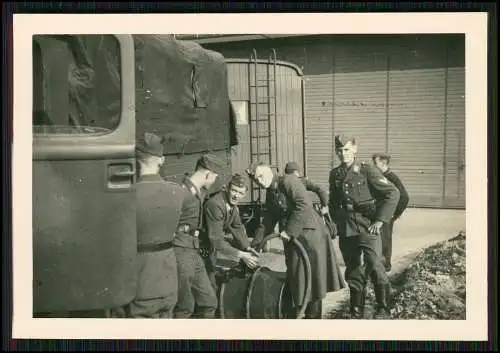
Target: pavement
[{"x": 417, "y": 229}]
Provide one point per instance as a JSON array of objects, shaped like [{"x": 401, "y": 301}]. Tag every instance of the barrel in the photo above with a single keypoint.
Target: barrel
[{"x": 244, "y": 294}]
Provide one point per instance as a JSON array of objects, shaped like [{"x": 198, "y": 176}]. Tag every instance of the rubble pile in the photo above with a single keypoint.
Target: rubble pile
[{"x": 433, "y": 287}]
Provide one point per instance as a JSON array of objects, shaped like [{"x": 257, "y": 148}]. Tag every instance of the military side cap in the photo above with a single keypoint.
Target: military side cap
[
  {"x": 212, "y": 163},
  {"x": 384, "y": 156},
  {"x": 341, "y": 140},
  {"x": 238, "y": 180},
  {"x": 290, "y": 167},
  {"x": 150, "y": 143}
]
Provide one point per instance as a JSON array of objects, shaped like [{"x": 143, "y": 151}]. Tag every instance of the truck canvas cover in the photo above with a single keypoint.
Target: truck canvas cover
[{"x": 182, "y": 95}]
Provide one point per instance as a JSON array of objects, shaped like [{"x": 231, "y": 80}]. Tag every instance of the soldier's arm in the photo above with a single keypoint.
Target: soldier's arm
[
  {"x": 297, "y": 193},
  {"x": 404, "y": 198},
  {"x": 238, "y": 231},
  {"x": 268, "y": 223},
  {"x": 214, "y": 220},
  {"x": 386, "y": 193},
  {"x": 318, "y": 190}
]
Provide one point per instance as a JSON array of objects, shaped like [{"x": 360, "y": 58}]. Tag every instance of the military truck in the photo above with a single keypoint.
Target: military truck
[{"x": 92, "y": 95}]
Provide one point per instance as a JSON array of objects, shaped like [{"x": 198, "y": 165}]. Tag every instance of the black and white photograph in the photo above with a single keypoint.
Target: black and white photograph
[{"x": 314, "y": 176}]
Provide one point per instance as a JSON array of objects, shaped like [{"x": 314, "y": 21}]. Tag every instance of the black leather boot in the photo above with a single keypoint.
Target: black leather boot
[
  {"x": 357, "y": 303},
  {"x": 314, "y": 310},
  {"x": 382, "y": 292}
]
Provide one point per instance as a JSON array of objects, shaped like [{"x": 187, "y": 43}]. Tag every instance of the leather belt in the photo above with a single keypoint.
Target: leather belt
[
  {"x": 154, "y": 247},
  {"x": 186, "y": 229}
]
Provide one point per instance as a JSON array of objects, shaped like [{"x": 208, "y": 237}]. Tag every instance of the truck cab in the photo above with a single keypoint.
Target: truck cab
[{"x": 84, "y": 173}]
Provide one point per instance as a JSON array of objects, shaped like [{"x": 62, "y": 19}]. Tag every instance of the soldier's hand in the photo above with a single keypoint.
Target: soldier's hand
[
  {"x": 284, "y": 236},
  {"x": 249, "y": 260},
  {"x": 252, "y": 251},
  {"x": 376, "y": 227},
  {"x": 324, "y": 210}
]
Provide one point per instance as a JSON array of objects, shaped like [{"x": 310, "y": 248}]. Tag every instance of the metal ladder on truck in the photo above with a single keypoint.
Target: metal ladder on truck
[{"x": 263, "y": 112}]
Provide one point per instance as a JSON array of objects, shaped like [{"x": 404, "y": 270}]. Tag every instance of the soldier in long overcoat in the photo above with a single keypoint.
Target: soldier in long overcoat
[{"x": 289, "y": 205}]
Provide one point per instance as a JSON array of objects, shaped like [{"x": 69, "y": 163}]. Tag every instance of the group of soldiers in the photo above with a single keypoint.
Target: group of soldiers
[{"x": 182, "y": 228}]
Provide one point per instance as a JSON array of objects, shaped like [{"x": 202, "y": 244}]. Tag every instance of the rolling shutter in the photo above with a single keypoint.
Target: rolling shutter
[
  {"x": 454, "y": 180},
  {"x": 319, "y": 125},
  {"x": 416, "y": 122},
  {"x": 360, "y": 96}
]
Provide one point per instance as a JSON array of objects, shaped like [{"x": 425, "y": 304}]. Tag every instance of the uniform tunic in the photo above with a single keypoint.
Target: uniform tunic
[
  {"x": 359, "y": 196},
  {"x": 196, "y": 295},
  {"x": 158, "y": 209},
  {"x": 220, "y": 219},
  {"x": 288, "y": 204},
  {"x": 400, "y": 208},
  {"x": 318, "y": 190}
]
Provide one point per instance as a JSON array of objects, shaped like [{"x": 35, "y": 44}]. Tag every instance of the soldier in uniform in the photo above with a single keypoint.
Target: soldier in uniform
[
  {"x": 196, "y": 295},
  {"x": 158, "y": 210},
  {"x": 293, "y": 168},
  {"x": 289, "y": 205},
  {"x": 361, "y": 201},
  {"x": 381, "y": 161},
  {"x": 222, "y": 217}
]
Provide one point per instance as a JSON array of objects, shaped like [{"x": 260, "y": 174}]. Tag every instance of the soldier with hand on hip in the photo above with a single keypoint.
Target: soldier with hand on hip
[
  {"x": 381, "y": 161},
  {"x": 361, "y": 201}
]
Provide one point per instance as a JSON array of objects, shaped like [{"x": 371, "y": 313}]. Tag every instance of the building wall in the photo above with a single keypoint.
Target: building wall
[{"x": 404, "y": 95}]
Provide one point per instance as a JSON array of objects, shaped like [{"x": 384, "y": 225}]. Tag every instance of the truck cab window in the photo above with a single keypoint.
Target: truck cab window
[{"x": 76, "y": 84}]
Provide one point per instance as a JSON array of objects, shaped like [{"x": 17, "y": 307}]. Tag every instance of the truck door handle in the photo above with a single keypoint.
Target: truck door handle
[
  {"x": 120, "y": 176},
  {"x": 123, "y": 174}
]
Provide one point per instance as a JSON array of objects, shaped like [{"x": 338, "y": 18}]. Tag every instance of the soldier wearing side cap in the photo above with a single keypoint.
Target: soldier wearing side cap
[
  {"x": 221, "y": 216},
  {"x": 289, "y": 205},
  {"x": 294, "y": 168},
  {"x": 196, "y": 295},
  {"x": 361, "y": 201},
  {"x": 158, "y": 210}
]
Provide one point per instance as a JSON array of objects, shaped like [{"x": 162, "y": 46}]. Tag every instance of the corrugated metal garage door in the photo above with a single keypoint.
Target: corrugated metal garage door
[
  {"x": 454, "y": 179},
  {"x": 416, "y": 122},
  {"x": 319, "y": 127},
  {"x": 360, "y": 96},
  {"x": 402, "y": 100}
]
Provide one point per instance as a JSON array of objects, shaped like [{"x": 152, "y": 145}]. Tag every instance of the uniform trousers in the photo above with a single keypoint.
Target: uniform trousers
[
  {"x": 387, "y": 243},
  {"x": 157, "y": 285},
  {"x": 369, "y": 246},
  {"x": 196, "y": 295}
]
